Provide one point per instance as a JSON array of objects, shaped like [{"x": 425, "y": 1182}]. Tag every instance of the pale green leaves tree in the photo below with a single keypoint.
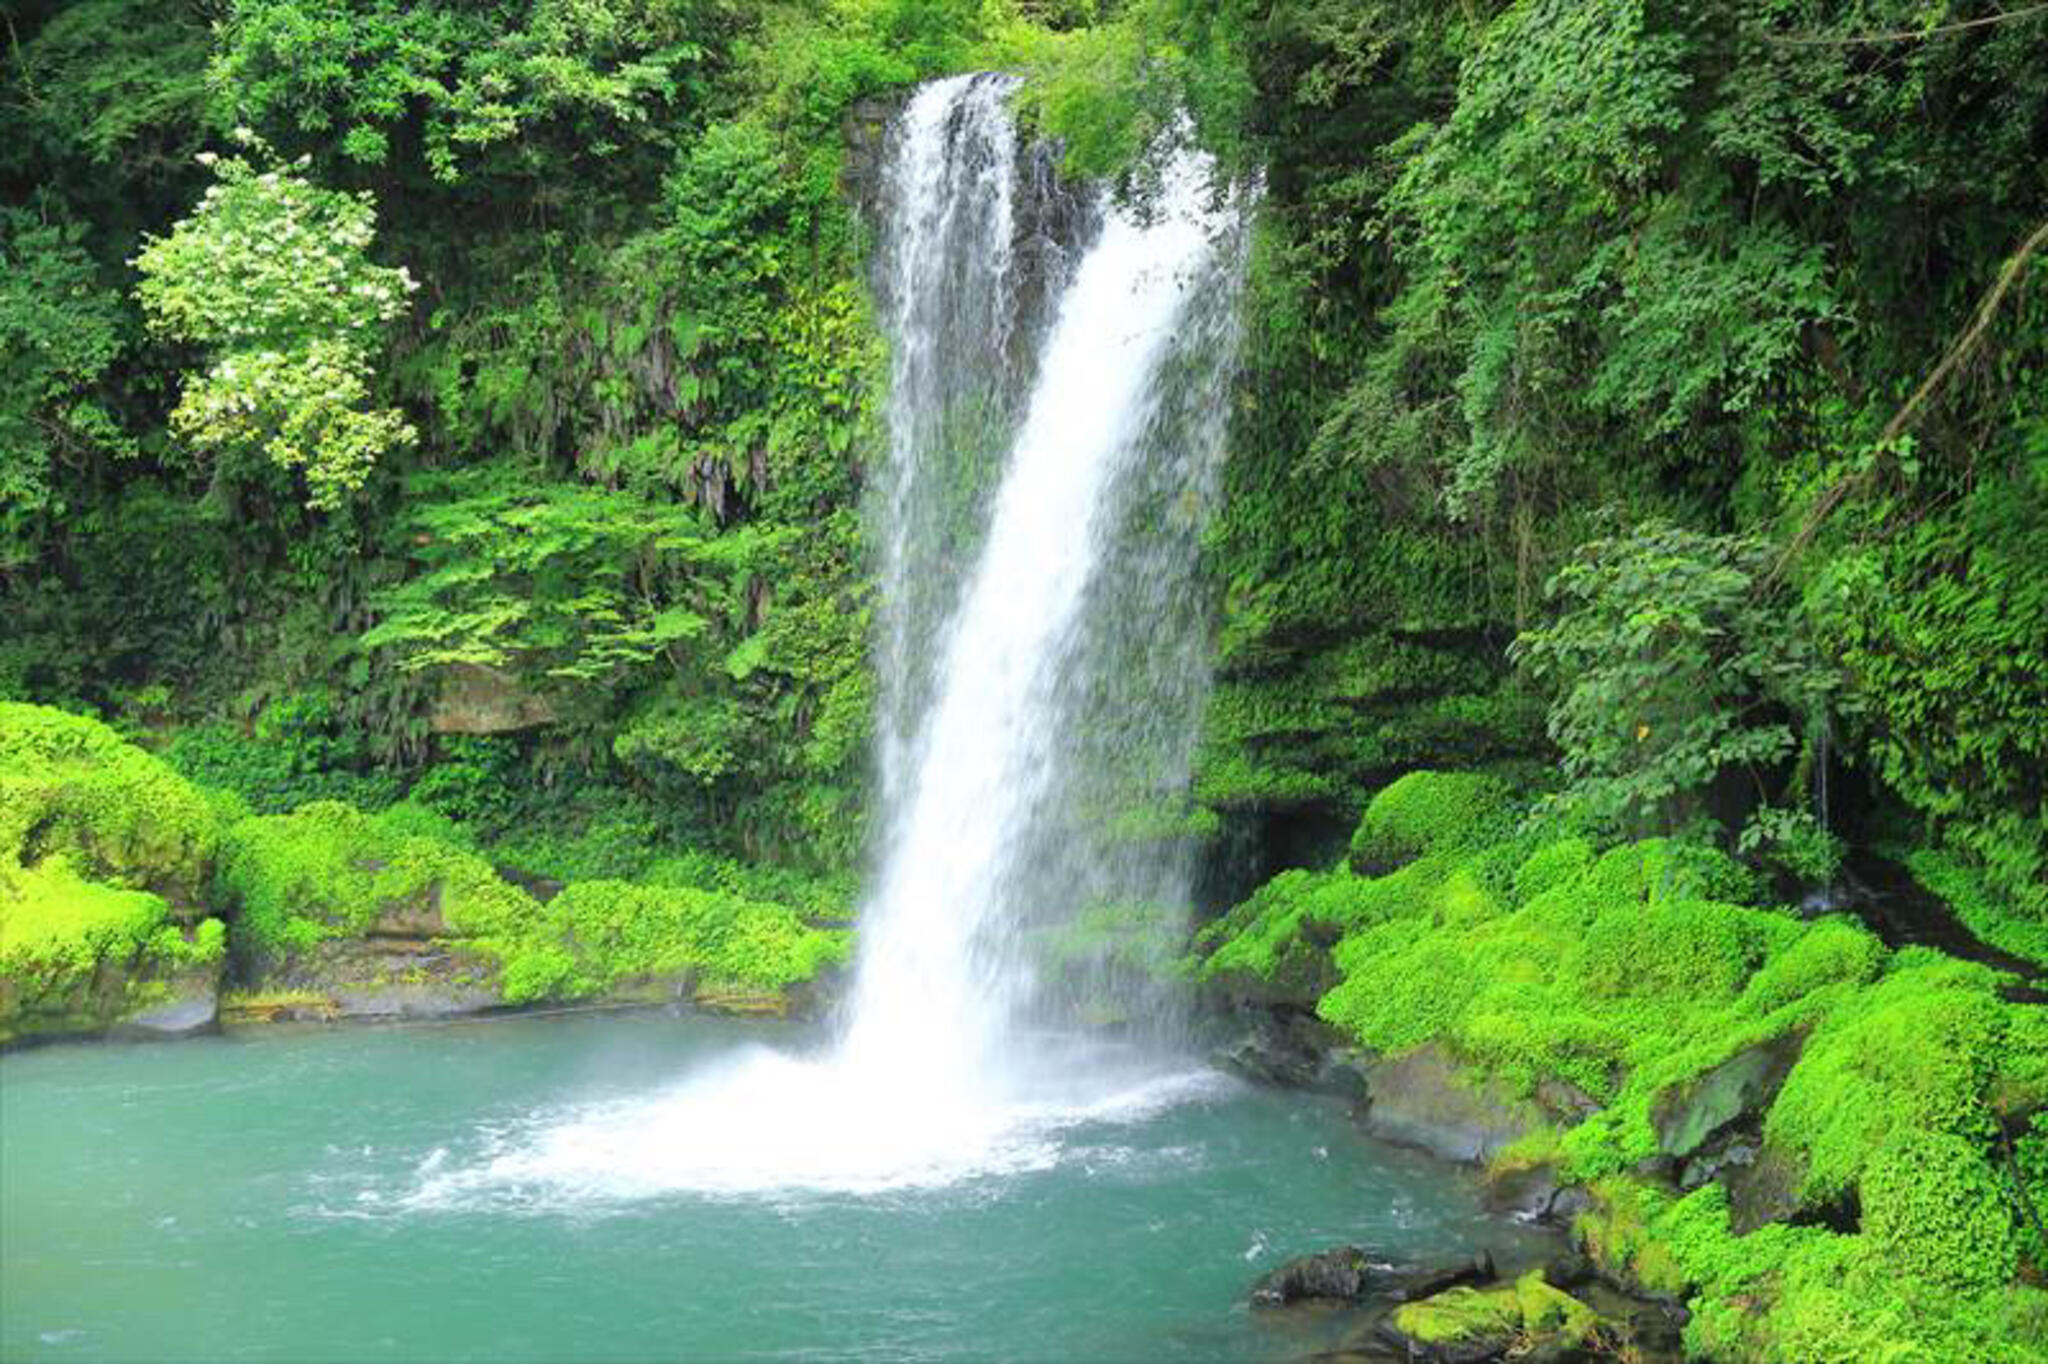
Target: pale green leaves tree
[{"x": 272, "y": 274}]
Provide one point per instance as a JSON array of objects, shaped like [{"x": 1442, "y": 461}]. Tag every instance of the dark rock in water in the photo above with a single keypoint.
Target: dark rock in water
[
  {"x": 1340, "y": 1275},
  {"x": 1687, "y": 1116},
  {"x": 1291, "y": 1050},
  {"x": 1526, "y": 1194},
  {"x": 1424, "y": 1281},
  {"x": 1570, "y": 1271},
  {"x": 1426, "y": 1100}
]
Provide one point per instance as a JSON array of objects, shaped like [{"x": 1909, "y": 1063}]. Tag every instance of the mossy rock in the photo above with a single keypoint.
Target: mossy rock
[
  {"x": 73, "y": 788},
  {"x": 1429, "y": 1100},
  {"x": 1426, "y": 812},
  {"x": 1686, "y": 1115},
  {"x": 1467, "y": 1325},
  {"x": 1617, "y": 1234},
  {"x": 79, "y": 959}
]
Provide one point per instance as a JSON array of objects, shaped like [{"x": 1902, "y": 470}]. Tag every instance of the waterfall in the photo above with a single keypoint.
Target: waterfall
[
  {"x": 1056, "y": 416},
  {"x": 1014, "y": 700}
]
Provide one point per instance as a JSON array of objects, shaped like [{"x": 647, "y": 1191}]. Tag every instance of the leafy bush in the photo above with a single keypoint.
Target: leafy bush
[
  {"x": 273, "y": 274},
  {"x": 597, "y": 934},
  {"x": 1933, "y": 1208},
  {"x": 1670, "y": 666}
]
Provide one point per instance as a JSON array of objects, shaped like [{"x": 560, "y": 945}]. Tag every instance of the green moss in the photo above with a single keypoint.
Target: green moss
[
  {"x": 328, "y": 870},
  {"x": 1641, "y": 978},
  {"x": 1427, "y": 812},
  {"x": 76, "y": 955},
  {"x": 1464, "y": 1316},
  {"x": 1526, "y": 1314},
  {"x": 74, "y": 786},
  {"x": 1933, "y": 1208},
  {"x": 1553, "y": 864},
  {"x": 1917, "y": 1051}
]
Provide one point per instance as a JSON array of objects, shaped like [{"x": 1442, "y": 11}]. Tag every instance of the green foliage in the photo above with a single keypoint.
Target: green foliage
[
  {"x": 1942, "y": 629},
  {"x": 294, "y": 752},
  {"x": 272, "y": 275},
  {"x": 60, "y": 332},
  {"x": 326, "y": 870},
  {"x": 1669, "y": 669},
  {"x": 1918, "y": 1052},
  {"x": 1537, "y": 967},
  {"x": 471, "y": 82},
  {"x": 1932, "y": 1207},
  {"x": 77, "y": 954},
  {"x": 598, "y": 934}
]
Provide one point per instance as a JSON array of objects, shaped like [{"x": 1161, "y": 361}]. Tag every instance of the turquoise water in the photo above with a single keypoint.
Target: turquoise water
[{"x": 374, "y": 1194}]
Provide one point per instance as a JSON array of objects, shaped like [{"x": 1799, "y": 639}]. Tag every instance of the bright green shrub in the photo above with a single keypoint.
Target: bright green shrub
[
  {"x": 1668, "y": 868},
  {"x": 1914, "y": 1053},
  {"x": 76, "y": 953},
  {"x": 1933, "y": 1209},
  {"x": 596, "y": 934},
  {"x": 1833, "y": 951},
  {"x": 1553, "y": 864},
  {"x": 328, "y": 870},
  {"x": 1689, "y": 949},
  {"x": 1426, "y": 812},
  {"x": 73, "y": 785}
]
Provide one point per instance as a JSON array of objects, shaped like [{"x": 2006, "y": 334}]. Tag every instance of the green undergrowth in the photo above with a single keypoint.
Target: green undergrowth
[
  {"x": 1982, "y": 912},
  {"x": 117, "y": 873},
  {"x": 104, "y": 855},
  {"x": 1627, "y": 992},
  {"x": 599, "y": 934},
  {"x": 72, "y": 786},
  {"x": 329, "y": 871},
  {"x": 77, "y": 955}
]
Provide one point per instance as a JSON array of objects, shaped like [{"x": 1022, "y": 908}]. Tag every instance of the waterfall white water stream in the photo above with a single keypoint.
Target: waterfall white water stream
[{"x": 1038, "y": 647}]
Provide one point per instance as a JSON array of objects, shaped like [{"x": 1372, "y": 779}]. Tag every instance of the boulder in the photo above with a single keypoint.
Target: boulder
[
  {"x": 1687, "y": 1116},
  {"x": 189, "y": 1012},
  {"x": 1528, "y": 1319},
  {"x": 478, "y": 700},
  {"x": 1289, "y": 1049},
  {"x": 1344, "y": 1274},
  {"x": 1426, "y": 1100}
]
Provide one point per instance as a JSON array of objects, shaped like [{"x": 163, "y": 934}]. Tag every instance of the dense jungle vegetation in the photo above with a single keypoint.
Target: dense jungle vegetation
[{"x": 432, "y": 443}]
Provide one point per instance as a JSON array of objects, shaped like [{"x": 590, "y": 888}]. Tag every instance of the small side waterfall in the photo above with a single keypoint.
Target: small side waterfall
[{"x": 1056, "y": 422}]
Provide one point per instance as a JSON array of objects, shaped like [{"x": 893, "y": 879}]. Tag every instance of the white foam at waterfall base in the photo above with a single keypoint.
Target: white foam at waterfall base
[
  {"x": 763, "y": 1122},
  {"x": 933, "y": 1080}
]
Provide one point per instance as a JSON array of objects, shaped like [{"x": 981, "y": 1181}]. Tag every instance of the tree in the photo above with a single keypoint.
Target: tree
[{"x": 272, "y": 274}]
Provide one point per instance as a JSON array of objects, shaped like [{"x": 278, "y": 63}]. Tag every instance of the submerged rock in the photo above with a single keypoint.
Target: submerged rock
[
  {"x": 1350, "y": 1274},
  {"x": 1341, "y": 1275}
]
